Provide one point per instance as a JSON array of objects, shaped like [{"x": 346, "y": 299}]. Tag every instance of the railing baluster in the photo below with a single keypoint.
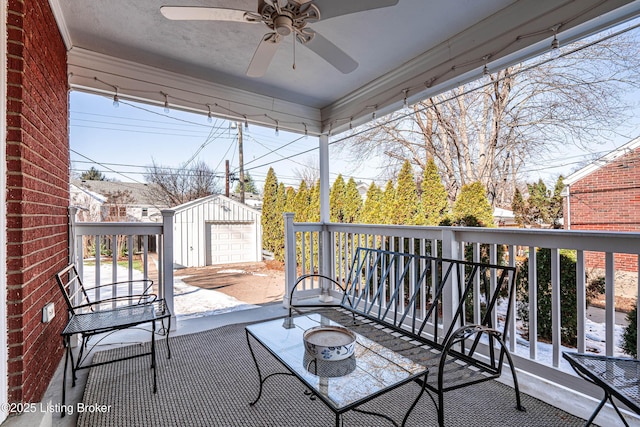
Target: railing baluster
[
  {"x": 533, "y": 303},
  {"x": 581, "y": 300},
  {"x": 609, "y": 314},
  {"x": 512, "y": 314},
  {"x": 556, "y": 323},
  {"x": 114, "y": 267},
  {"x": 98, "y": 257},
  {"x": 476, "y": 285}
]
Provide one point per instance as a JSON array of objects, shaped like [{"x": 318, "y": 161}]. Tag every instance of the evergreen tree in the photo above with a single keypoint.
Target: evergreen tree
[
  {"x": 352, "y": 202},
  {"x": 278, "y": 250},
  {"x": 555, "y": 205},
  {"x": 372, "y": 209},
  {"x": 249, "y": 185},
  {"x": 406, "y": 199},
  {"x": 435, "y": 202},
  {"x": 93, "y": 174},
  {"x": 301, "y": 203},
  {"x": 519, "y": 207},
  {"x": 290, "y": 200},
  {"x": 336, "y": 200},
  {"x": 472, "y": 207},
  {"x": 388, "y": 203},
  {"x": 313, "y": 209},
  {"x": 270, "y": 231},
  {"x": 538, "y": 203}
]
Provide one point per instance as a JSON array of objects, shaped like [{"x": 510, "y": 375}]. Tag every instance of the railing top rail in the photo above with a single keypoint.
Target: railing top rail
[
  {"x": 599, "y": 241},
  {"x": 122, "y": 228}
]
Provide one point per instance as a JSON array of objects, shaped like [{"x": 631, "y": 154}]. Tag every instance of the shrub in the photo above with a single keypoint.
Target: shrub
[
  {"x": 629, "y": 337},
  {"x": 568, "y": 300}
]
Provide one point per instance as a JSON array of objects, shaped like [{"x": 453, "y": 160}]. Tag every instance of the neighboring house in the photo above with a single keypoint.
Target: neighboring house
[
  {"x": 216, "y": 230},
  {"x": 504, "y": 218},
  {"x": 250, "y": 199},
  {"x": 605, "y": 196},
  {"x": 96, "y": 202}
]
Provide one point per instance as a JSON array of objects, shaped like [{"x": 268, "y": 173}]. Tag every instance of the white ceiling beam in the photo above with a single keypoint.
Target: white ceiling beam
[{"x": 102, "y": 74}]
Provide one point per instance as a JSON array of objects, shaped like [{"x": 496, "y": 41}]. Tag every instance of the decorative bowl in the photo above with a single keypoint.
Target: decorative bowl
[{"x": 329, "y": 343}]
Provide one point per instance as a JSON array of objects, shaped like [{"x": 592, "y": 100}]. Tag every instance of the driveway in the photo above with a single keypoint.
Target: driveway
[{"x": 252, "y": 283}]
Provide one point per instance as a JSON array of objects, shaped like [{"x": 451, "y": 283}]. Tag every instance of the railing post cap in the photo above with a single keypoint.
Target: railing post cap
[{"x": 168, "y": 212}]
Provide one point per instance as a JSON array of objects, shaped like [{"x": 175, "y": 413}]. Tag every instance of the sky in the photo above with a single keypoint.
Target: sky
[{"x": 122, "y": 141}]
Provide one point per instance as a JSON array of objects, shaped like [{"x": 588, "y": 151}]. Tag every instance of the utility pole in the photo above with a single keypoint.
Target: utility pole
[
  {"x": 241, "y": 161},
  {"x": 226, "y": 178}
]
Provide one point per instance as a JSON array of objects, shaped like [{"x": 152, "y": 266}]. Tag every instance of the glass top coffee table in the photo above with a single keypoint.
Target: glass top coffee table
[{"x": 342, "y": 385}]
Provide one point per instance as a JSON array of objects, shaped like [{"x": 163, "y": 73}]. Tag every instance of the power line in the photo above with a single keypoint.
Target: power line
[{"x": 98, "y": 163}]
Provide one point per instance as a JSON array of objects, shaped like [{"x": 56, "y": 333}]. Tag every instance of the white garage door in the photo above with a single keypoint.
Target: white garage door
[{"x": 231, "y": 242}]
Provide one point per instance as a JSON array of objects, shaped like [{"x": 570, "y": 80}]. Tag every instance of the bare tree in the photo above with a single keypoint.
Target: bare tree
[
  {"x": 175, "y": 186},
  {"x": 488, "y": 130},
  {"x": 309, "y": 172}
]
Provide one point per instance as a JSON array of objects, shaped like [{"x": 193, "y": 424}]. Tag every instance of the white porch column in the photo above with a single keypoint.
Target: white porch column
[
  {"x": 166, "y": 272},
  {"x": 325, "y": 250}
]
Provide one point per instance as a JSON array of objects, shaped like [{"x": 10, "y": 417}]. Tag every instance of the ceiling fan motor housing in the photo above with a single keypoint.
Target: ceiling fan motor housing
[{"x": 292, "y": 17}]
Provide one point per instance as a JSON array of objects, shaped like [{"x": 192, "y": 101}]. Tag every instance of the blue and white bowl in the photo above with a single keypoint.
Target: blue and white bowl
[{"x": 329, "y": 342}]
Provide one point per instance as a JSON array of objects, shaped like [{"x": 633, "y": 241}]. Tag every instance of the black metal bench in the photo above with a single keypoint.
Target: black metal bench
[
  {"x": 91, "y": 315},
  {"x": 397, "y": 300},
  {"x": 616, "y": 376}
]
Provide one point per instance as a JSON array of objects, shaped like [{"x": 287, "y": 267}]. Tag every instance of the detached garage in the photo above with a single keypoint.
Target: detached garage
[{"x": 216, "y": 230}]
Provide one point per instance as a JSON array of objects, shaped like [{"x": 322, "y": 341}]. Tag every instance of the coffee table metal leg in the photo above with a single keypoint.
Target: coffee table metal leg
[{"x": 255, "y": 362}]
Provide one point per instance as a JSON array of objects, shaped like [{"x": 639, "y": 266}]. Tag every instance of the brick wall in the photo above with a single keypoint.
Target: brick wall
[
  {"x": 37, "y": 194},
  {"x": 609, "y": 200}
]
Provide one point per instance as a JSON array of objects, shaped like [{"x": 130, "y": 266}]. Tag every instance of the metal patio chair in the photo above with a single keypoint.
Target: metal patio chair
[{"x": 91, "y": 315}]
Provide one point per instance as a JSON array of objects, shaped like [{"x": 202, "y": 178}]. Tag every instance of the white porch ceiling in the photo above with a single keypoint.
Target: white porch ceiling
[{"x": 417, "y": 47}]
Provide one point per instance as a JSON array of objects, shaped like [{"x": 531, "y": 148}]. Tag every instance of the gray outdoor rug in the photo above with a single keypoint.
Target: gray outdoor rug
[{"x": 210, "y": 380}]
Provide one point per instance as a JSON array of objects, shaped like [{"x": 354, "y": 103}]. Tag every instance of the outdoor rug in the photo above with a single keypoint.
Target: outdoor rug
[{"x": 211, "y": 379}]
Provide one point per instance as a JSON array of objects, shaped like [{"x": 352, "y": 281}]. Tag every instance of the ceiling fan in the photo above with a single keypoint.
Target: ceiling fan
[{"x": 284, "y": 17}]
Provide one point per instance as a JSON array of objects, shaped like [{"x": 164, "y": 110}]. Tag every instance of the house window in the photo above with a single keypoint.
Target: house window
[
  {"x": 145, "y": 212},
  {"x": 115, "y": 211}
]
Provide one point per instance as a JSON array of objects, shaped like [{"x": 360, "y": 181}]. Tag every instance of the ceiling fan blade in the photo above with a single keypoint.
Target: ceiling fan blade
[
  {"x": 263, "y": 55},
  {"x": 189, "y": 13},
  {"x": 332, "y": 8},
  {"x": 331, "y": 53}
]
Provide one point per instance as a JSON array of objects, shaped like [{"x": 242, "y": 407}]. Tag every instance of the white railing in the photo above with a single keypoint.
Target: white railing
[
  {"x": 149, "y": 246},
  {"x": 338, "y": 241}
]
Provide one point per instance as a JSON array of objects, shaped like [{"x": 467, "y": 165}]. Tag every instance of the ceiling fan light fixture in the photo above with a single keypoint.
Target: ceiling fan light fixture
[{"x": 283, "y": 25}]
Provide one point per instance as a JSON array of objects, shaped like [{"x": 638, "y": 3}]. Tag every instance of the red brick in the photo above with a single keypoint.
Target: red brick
[{"x": 37, "y": 193}]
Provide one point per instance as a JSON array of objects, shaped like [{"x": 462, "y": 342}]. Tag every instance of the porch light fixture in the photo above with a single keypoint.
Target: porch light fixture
[
  {"x": 209, "y": 118},
  {"x": 485, "y": 70},
  {"x": 277, "y": 128},
  {"x": 405, "y": 104},
  {"x": 116, "y": 100},
  {"x": 306, "y": 132},
  {"x": 555, "y": 44},
  {"x": 246, "y": 123},
  {"x": 166, "y": 102}
]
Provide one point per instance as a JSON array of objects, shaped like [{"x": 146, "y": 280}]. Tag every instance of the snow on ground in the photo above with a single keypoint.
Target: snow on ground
[{"x": 188, "y": 300}]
